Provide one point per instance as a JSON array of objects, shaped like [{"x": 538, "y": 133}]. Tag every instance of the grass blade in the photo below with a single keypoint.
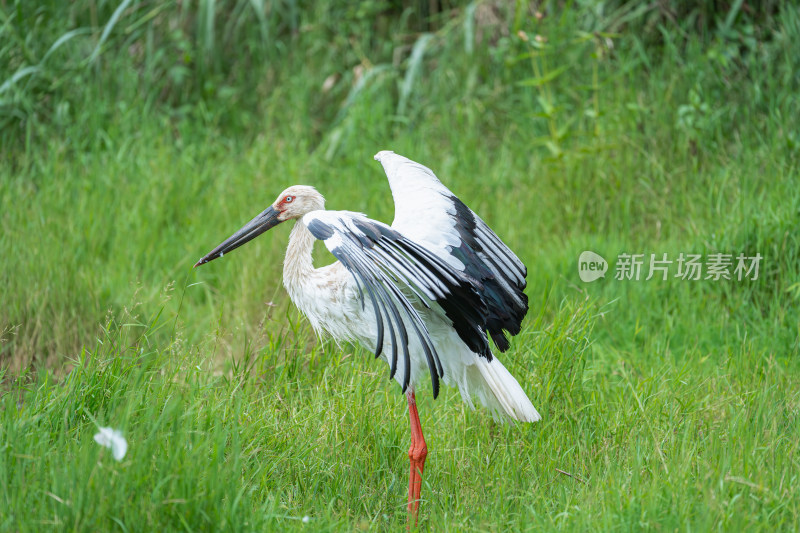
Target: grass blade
[
  {"x": 112, "y": 22},
  {"x": 414, "y": 66}
]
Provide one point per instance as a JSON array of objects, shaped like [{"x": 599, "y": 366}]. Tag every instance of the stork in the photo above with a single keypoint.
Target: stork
[{"x": 425, "y": 293}]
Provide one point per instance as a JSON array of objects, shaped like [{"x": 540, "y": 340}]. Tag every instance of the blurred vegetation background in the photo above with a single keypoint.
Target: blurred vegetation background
[{"x": 135, "y": 135}]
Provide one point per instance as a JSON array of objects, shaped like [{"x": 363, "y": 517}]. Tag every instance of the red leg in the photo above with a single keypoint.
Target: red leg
[{"x": 416, "y": 454}]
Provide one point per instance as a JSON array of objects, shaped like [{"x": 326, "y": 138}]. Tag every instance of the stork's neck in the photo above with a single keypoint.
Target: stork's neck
[{"x": 298, "y": 264}]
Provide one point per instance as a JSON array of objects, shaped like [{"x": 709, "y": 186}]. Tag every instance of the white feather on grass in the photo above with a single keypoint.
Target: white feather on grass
[{"x": 112, "y": 439}]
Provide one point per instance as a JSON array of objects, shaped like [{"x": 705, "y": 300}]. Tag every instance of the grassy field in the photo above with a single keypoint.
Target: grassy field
[{"x": 135, "y": 136}]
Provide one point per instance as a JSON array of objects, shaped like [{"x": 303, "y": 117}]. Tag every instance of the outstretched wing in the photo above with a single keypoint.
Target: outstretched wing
[
  {"x": 430, "y": 214},
  {"x": 390, "y": 271}
]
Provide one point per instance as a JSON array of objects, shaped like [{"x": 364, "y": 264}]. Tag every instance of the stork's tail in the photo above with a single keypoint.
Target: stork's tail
[{"x": 510, "y": 398}]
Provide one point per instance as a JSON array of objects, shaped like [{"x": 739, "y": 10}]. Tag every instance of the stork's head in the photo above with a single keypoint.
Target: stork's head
[
  {"x": 296, "y": 201},
  {"x": 292, "y": 203}
]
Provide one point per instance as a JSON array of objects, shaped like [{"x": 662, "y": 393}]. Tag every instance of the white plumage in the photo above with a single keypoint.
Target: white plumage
[{"x": 425, "y": 293}]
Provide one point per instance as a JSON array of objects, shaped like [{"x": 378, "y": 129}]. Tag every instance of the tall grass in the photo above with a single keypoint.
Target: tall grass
[{"x": 137, "y": 135}]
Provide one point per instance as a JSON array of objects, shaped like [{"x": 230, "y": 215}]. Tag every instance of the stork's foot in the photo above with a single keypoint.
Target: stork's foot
[{"x": 416, "y": 455}]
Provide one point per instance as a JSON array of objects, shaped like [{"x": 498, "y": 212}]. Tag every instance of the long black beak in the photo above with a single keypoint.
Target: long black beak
[{"x": 266, "y": 220}]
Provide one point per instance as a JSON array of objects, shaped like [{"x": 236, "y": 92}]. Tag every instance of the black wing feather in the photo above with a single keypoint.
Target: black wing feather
[
  {"x": 482, "y": 253},
  {"x": 382, "y": 261}
]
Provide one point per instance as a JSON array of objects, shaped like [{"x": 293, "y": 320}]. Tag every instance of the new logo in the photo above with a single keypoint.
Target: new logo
[{"x": 591, "y": 266}]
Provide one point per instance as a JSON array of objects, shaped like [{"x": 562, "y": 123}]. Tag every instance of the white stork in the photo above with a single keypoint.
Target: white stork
[{"x": 425, "y": 293}]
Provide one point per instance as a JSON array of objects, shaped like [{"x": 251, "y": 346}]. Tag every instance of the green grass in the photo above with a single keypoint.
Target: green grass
[{"x": 135, "y": 147}]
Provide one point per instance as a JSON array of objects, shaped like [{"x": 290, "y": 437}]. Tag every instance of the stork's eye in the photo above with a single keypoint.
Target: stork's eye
[{"x": 289, "y": 199}]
